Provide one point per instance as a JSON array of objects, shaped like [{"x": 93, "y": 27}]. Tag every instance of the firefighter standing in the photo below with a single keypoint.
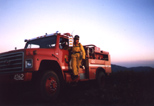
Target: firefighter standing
[{"x": 78, "y": 53}]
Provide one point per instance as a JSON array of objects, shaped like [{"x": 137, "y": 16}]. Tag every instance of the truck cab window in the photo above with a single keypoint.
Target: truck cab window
[
  {"x": 63, "y": 43},
  {"x": 48, "y": 42}
]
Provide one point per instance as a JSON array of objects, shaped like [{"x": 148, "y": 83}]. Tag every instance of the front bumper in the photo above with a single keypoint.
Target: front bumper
[{"x": 15, "y": 77}]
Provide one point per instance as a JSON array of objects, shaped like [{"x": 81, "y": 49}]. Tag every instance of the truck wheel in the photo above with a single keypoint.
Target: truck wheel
[
  {"x": 50, "y": 86},
  {"x": 101, "y": 80}
]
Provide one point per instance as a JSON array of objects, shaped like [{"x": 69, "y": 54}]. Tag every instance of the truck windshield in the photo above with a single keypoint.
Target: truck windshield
[{"x": 47, "y": 42}]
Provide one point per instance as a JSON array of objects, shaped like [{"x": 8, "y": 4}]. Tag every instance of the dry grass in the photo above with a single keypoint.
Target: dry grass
[{"x": 122, "y": 88}]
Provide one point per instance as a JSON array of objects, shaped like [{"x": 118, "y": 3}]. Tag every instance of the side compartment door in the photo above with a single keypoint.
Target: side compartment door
[{"x": 94, "y": 64}]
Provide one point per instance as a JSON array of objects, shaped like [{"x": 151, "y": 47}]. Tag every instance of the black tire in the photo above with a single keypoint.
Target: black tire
[
  {"x": 50, "y": 86},
  {"x": 101, "y": 80}
]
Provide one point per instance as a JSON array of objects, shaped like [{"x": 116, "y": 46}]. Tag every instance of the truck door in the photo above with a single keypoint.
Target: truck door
[{"x": 64, "y": 53}]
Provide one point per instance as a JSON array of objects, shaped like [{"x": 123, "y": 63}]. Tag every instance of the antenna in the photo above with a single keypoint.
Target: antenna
[{"x": 72, "y": 32}]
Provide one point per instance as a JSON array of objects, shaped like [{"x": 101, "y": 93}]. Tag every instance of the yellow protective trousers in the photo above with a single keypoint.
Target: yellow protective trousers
[{"x": 76, "y": 62}]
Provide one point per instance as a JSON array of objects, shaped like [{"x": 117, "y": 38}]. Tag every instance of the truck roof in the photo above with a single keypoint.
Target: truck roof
[{"x": 47, "y": 35}]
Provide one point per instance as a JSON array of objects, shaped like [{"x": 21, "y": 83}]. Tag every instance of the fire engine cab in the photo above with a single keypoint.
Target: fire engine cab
[{"x": 46, "y": 60}]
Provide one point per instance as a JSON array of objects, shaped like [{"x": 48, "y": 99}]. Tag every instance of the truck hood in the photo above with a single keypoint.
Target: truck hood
[{"x": 39, "y": 51}]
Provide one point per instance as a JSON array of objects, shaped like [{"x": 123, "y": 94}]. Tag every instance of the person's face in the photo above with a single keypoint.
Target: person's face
[{"x": 76, "y": 41}]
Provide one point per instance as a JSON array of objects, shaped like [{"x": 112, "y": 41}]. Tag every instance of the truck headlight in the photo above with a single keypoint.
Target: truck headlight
[{"x": 29, "y": 63}]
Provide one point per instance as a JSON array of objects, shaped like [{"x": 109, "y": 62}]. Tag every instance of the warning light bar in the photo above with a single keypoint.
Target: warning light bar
[{"x": 46, "y": 35}]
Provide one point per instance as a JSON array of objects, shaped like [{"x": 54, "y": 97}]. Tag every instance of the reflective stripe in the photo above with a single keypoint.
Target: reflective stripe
[
  {"x": 97, "y": 65},
  {"x": 92, "y": 65}
]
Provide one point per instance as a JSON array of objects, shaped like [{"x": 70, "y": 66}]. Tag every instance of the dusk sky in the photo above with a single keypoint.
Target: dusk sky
[{"x": 125, "y": 28}]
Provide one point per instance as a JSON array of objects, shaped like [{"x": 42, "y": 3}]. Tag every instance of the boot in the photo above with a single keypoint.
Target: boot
[{"x": 74, "y": 77}]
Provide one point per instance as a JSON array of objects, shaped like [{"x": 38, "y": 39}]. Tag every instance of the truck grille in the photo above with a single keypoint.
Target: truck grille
[{"x": 11, "y": 62}]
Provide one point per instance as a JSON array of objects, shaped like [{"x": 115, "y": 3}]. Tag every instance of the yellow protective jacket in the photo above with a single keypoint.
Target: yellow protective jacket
[{"x": 79, "y": 48}]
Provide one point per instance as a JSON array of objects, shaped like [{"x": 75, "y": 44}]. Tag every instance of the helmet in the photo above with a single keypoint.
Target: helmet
[{"x": 76, "y": 37}]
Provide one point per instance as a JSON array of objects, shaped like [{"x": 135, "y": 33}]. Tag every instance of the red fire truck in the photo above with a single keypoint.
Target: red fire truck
[{"x": 46, "y": 60}]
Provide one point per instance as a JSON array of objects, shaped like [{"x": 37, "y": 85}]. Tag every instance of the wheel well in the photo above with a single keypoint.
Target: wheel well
[
  {"x": 100, "y": 69},
  {"x": 47, "y": 65}
]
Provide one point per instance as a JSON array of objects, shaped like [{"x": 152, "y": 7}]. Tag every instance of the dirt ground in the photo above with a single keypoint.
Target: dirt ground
[{"x": 122, "y": 89}]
